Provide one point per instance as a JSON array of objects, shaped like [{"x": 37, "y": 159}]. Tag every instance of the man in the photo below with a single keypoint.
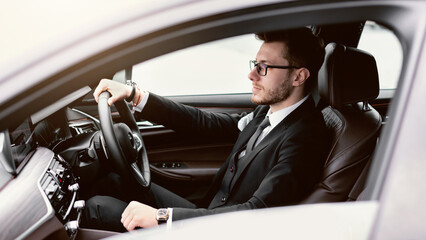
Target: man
[{"x": 279, "y": 151}]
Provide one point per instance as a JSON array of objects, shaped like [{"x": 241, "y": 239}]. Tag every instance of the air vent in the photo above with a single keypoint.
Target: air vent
[
  {"x": 52, "y": 179},
  {"x": 83, "y": 127},
  {"x": 49, "y": 186}
]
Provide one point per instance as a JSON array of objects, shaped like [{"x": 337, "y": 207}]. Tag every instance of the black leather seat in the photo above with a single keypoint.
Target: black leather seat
[{"x": 347, "y": 80}]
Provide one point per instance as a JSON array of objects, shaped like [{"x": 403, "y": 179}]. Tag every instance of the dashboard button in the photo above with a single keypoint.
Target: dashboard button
[
  {"x": 80, "y": 204},
  {"x": 74, "y": 187},
  {"x": 71, "y": 227}
]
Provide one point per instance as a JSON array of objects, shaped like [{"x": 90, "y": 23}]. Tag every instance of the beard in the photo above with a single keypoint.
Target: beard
[{"x": 272, "y": 96}]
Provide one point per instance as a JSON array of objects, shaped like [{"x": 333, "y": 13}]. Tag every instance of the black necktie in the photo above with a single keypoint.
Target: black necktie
[{"x": 251, "y": 143}]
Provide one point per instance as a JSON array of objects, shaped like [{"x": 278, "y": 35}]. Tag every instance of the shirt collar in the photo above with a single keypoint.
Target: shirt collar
[{"x": 276, "y": 117}]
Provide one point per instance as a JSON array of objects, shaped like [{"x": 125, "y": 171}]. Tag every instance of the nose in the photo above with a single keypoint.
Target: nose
[{"x": 253, "y": 76}]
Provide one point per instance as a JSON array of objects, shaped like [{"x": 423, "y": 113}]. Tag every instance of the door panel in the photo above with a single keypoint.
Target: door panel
[{"x": 187, "y": 170}]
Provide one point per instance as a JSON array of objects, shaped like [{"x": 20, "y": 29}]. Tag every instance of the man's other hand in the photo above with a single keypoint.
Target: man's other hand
[{"x": 138, "y": 214}]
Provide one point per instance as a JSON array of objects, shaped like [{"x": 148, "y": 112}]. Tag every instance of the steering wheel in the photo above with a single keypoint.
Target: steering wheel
[{"x": 124, "y": 142}]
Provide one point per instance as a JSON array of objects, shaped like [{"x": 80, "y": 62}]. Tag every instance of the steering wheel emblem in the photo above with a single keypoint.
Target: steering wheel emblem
[{"x": 137, "y": 142}]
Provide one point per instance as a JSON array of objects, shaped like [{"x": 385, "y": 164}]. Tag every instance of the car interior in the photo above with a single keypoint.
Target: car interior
[{"x": 69, "y": 131}]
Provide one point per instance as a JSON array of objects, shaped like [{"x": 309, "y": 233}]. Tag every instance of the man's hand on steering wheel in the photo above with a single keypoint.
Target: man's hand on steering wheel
[{"x": 117, "y": 90}]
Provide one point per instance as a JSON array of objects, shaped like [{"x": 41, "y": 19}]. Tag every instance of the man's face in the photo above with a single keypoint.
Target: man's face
[{"x": 276, "y": 86}]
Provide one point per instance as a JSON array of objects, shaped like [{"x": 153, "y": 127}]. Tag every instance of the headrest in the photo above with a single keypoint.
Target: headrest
[{"x": 348, "y": 75}]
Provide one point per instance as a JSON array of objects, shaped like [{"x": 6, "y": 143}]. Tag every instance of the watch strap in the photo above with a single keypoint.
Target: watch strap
[
  {"x": 132, "y": 94},
  {"x": 162, "y": 215}
]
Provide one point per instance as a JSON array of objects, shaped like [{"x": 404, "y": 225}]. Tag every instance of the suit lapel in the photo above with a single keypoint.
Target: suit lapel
[{"x": 249, "y": 130}]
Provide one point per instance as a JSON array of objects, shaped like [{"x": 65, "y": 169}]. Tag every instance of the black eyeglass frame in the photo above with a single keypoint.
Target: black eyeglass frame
[{"x": 256, "y": 64}]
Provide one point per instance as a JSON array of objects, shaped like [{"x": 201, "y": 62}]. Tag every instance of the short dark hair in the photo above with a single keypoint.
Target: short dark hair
[{"x": 304, "y": 50}]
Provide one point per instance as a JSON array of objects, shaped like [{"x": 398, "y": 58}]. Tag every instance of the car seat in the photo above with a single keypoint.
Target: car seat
[{"x": 347, "y": 81}]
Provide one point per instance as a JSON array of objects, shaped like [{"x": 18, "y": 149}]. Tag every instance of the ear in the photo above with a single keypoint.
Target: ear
[{"x": 301, "y": 75}]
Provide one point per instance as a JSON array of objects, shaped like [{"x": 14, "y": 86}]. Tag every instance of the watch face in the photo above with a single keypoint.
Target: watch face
[{"x": 162, "y": 214}]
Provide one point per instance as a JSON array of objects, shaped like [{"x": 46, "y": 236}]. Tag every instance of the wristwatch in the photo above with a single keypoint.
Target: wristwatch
[{"x": 162, "y": 215}]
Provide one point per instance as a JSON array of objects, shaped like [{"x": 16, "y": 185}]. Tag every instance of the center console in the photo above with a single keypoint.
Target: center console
[{"x": 61, "y": 188}]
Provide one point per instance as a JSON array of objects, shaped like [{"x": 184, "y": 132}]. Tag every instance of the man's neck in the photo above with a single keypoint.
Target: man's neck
[
  {"x": 291, "y": 100},
  {"x": 276, "y": 117}
]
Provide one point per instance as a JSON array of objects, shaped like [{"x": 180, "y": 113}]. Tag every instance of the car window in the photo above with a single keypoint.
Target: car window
[
  {"x": 385, "y": 47},
  {"x": 212, "y": 68},
  {"x": 222, "y": 66}
]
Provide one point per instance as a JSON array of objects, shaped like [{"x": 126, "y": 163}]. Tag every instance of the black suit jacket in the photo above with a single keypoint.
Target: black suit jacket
[{"x": 281, "y": 170}]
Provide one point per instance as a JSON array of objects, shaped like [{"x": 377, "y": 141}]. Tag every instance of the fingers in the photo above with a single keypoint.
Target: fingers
[
  {"x": 102, "y": 86},
  {"x": 112, "y": 99},
  {"x": 127, "y": 212},
  {"x": 132, "y": 224},
  {"x": 126, "y": 222},
  {"x": 129, "y": 223},
  {"x": 127, "y": 217}
]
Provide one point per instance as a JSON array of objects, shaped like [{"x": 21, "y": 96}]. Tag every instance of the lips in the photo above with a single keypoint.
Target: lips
[{"x": 256, "y": 88}]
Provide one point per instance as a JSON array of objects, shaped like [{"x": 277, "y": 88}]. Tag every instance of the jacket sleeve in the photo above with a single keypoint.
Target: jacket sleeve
[
  {"x": 184, "y": 213},
  {"x": 189, "y": 119}
]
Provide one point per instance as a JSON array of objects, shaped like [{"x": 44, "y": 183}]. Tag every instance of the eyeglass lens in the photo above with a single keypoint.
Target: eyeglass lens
[{"x": 260, "y": 68}]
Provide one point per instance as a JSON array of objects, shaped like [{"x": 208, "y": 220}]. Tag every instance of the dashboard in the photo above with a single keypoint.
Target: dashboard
[
  {"x": 43, "y": 161},
  {"x": 45, "y": 195}
]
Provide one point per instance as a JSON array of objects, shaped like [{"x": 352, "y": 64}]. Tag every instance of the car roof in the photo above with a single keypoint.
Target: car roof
[{"x": 31, "y": 29}]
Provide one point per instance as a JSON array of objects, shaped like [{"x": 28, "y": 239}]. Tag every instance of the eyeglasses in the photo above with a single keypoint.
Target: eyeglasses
[{"x": 262, "y": 69}]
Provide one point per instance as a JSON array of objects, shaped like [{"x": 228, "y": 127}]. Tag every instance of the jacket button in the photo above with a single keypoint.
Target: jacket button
[
  {"x": 223, "y": 199},
  {"x": 231, "y": 169}
]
